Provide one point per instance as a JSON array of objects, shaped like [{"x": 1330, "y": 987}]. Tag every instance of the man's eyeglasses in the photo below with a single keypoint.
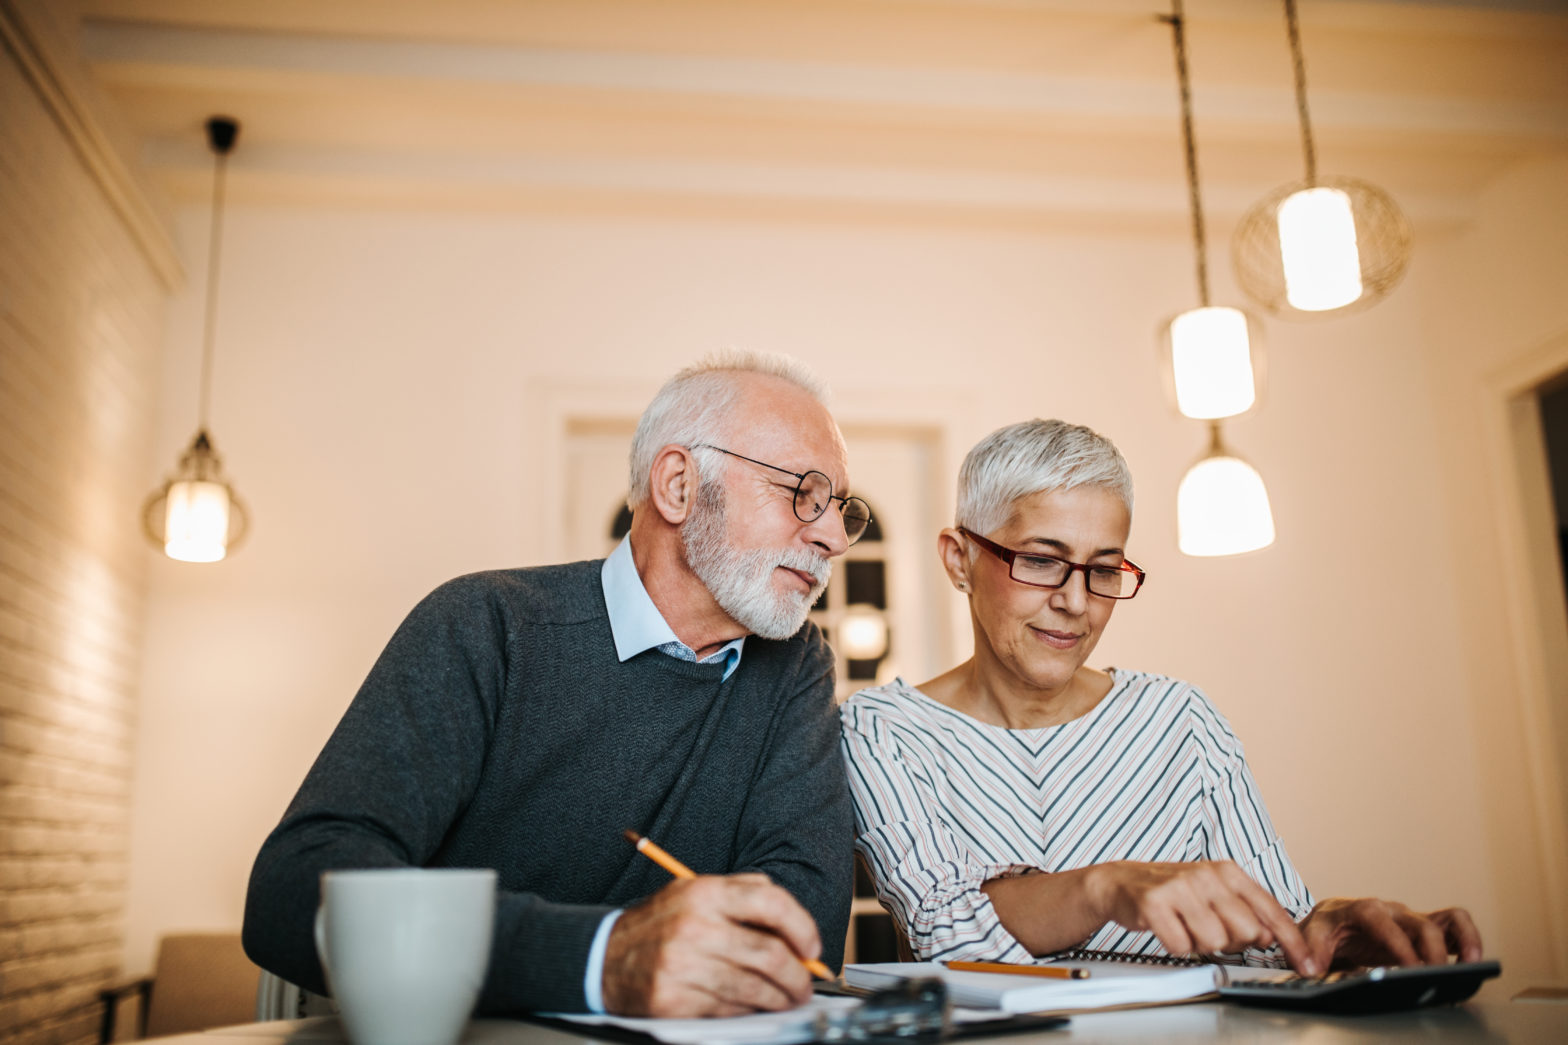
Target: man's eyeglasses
[
  {"x": 813, "y": 492},
  {"x": 1046, "y": 571}
]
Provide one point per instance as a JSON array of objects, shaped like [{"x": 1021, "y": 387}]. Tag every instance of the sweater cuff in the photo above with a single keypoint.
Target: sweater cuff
[{"x": 539, "y": 955}]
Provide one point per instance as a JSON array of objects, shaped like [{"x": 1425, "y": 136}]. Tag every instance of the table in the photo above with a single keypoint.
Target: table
[{"x": 1475, "y": 1021}]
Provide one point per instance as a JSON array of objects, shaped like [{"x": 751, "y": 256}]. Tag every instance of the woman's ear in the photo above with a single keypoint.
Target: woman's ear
[
  {"x": 950, "y": 547},
  {"x": 672, "y": 483}
]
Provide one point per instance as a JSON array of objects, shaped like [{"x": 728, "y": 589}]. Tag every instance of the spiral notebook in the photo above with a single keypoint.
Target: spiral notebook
[{"x": 1110, "y": 983}]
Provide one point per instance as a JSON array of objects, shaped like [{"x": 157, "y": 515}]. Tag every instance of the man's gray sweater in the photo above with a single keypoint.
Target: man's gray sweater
[{"x": 499, "y": 730}]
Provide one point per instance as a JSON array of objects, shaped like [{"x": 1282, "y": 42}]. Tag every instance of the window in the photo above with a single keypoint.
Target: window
[{"x": 853, "y": 612}]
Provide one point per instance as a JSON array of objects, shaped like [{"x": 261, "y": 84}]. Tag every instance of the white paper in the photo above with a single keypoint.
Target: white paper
[{"x": 1109, "y": 983}]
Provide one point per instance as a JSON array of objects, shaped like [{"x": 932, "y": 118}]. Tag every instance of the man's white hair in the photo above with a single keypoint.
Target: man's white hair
[
  {"x": 1031, "y": 456},
  {"x": 693, "y": 407}
]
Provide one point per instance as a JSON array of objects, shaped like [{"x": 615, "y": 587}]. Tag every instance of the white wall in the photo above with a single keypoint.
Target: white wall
[
  {"x": 1496, "y": 327},
  {"x": 372, "y": 383}
]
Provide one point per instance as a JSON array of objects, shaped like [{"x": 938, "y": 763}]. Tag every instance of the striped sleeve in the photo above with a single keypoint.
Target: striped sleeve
[
  {"x": 925, "y": 875},
  {"x": 1236, "y": 825}
]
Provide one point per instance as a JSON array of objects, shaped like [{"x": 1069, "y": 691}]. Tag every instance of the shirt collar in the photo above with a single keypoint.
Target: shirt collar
[{"x": 635, "y": 622}]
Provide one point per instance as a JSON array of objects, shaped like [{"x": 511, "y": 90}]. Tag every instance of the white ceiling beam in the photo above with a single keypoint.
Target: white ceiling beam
[
  {"x": 416, "y": 173},
  {"x": 130, "y": 53}
]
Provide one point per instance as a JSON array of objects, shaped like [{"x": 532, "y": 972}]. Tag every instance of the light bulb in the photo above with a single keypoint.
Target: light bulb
[
  {"x": 1317, "y": 245},
  {"x": 1211, "y": 360},
  {"x": 1222, "y": 508},
  {"x": 196, "y": 522},
  {"x": 862, "y": 633}
]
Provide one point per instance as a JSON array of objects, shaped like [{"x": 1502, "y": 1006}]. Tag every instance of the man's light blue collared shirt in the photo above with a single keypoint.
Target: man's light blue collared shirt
[{"x": 637, "y": 626}]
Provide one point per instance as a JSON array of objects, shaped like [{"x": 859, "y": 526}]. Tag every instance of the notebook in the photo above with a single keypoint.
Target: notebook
[
  {"x": 1109, "y": 984},
  {"x": 791, "y": 1027}
]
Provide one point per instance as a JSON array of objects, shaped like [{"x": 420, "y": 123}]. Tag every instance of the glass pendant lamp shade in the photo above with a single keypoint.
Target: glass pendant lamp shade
[
  {"x": 195, "y": 515},
  {"x": 1222, "y": 506},
  {"x": 1317, "y": 244},
  {"x": 1211, "y": 362},
  {"x": 196, "y": 521}
]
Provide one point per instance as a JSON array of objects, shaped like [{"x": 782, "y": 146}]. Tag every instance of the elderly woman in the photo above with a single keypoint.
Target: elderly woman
[{"x": 1024, "y": 803}]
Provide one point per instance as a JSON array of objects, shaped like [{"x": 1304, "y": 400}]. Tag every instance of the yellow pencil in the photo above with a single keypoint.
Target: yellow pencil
[
  {"x": 647, "y": 848},
  {"x": 1055, "y": 972}
]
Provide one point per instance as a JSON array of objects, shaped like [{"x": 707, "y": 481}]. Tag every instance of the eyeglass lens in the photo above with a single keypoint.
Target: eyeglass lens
[
  {"x": 1051, "y": 573},
  {"x": 815, "y": 493}
]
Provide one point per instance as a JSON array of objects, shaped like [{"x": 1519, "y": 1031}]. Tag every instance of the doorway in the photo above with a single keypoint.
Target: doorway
[{"x": 1554, "y": 429}]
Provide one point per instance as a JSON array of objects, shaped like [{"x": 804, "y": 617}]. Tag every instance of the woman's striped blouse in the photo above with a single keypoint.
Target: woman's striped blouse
[{"x": 944, "y": 803}]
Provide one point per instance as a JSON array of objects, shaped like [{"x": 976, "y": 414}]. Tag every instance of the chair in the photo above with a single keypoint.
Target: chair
[
  {"x": 278, "y": 999},
  {"x": 199, "y": 980}
]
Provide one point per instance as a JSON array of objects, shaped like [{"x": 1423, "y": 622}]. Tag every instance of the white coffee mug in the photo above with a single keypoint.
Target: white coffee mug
[{"x": 405, "y": 950}]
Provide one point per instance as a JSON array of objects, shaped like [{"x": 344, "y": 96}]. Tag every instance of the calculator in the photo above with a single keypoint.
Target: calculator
[{"x": 1381, "y": 989}]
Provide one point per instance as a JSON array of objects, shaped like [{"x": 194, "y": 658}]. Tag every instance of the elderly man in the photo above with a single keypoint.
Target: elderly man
[{"x": 522, "y": 719}]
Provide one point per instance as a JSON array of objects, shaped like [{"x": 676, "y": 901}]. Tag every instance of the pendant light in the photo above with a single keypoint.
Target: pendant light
[
  {"x": 1211, "y": 352},
  {"x": 1222, "y": 506},
  {"x": 1323, "y": 244},
  {"x": 195, "y": 515}
]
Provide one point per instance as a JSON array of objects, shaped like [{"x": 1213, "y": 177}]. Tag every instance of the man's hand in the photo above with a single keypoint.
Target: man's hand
[
  {"x": 1198, "y": 908},
  {"x": 710, "y": 946},
  {"x": 1348, "y": 933}
]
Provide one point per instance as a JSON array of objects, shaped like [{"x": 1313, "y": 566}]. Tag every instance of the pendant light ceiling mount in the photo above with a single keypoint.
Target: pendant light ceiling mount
[{"x": 195, "y": 516}]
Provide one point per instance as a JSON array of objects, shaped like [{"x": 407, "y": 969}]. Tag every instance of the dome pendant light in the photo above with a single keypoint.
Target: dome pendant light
[
  {"x": 1324, "y": 244},
  {"x": 1222, "y": 506},
  {"x": 195, "y": 515}
]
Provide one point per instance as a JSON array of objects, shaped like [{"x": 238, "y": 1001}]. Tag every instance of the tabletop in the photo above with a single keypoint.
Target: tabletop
[{"x": 1475, "y": 1021}]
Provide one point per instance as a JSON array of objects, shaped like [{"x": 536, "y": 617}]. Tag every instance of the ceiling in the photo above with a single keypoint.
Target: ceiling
[{"x": 1058, "y": 113}]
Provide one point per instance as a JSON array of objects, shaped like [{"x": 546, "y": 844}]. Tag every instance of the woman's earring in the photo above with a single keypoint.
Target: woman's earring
[{"x": 963, "y": 586}]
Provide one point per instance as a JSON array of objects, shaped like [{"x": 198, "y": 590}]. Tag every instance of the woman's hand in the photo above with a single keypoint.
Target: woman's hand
[
  {"x": 1193, "y": 908},
  {"x": 1199, "y": 908},
  {"x": 1343, "y": 933}
]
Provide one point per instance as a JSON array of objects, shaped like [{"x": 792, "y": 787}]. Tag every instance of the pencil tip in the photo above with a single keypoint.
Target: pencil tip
[{"x": 631, "y": 836}]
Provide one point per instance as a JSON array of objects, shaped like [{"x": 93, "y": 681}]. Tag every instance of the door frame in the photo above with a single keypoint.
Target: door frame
[{"x": 1534, "y": 602}]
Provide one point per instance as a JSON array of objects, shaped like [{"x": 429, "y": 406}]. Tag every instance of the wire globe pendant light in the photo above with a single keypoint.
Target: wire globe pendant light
[
  {"x": 1323, "y": 244},
  {"x": 1222, "y": 505},
  {"x": 195, "y": 516}
]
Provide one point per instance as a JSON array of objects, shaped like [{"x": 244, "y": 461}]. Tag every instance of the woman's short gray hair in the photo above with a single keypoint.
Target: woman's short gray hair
[
  {"x": 1029, "y": 457},
  {"x": 693, "y": 407}
]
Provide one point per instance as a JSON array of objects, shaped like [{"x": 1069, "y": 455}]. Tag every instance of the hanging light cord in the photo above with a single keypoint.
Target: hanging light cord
[
  {"x": 1299, "y": 64},
  {"x": 1176, "y": 19},
  {"x": 213, "y": 254}
]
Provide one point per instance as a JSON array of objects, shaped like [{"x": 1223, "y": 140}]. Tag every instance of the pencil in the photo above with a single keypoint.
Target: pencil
[
  {"x": 1055, "y": 972},
  {"x": 647, "y": 848}
]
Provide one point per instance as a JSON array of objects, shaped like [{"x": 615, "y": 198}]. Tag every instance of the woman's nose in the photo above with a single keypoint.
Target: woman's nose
[{"x": 1073, "y": 597}]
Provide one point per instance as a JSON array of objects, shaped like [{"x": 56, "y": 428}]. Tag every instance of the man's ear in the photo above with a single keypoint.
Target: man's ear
[
  {"x": 672, "y": 483},
  {"x": 950, "y": 548}
]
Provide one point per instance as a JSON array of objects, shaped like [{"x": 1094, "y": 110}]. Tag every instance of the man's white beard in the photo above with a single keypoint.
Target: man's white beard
[{"x": 741, "y": 582}]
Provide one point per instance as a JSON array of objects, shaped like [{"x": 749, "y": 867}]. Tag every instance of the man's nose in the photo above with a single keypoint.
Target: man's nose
[{"x": 826, "y": 531}]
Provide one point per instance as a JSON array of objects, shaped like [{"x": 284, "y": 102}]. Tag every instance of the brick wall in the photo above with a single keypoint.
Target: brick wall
[{"x": 80, "y": 312}]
